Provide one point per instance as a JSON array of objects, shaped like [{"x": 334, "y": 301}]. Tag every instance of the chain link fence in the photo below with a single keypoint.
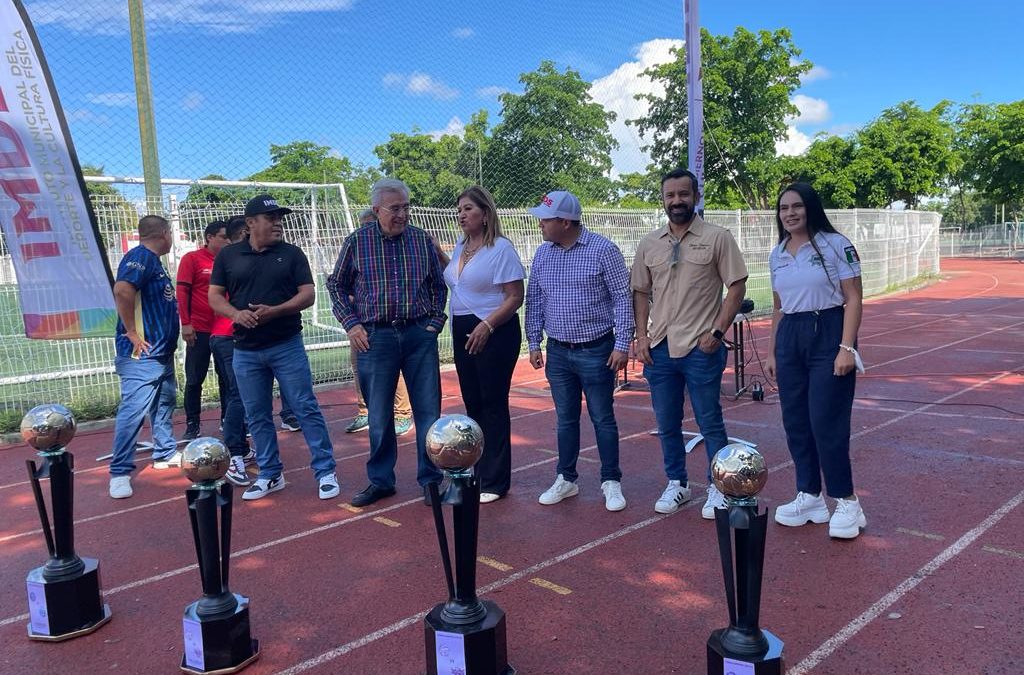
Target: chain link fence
[
  {"x": 895, "y": 247},
  {"x": 1003, "y": 240}
]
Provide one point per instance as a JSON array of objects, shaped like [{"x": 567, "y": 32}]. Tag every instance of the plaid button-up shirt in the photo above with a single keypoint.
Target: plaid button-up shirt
[
  {"x": 389, "y": 277},
  {"x": 579, "y": 293}
]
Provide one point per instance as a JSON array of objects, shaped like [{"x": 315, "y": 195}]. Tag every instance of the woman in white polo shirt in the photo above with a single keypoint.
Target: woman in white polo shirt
[
  {"x": 815, "y": 273},
  {"x": 485, "y": 276}
]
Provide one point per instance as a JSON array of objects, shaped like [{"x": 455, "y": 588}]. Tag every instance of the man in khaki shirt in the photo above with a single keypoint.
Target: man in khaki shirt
[{"x": 681, "y": 319}]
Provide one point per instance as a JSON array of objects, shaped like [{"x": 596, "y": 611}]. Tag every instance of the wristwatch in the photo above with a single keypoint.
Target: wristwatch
[{"x": 717, "y": 334}]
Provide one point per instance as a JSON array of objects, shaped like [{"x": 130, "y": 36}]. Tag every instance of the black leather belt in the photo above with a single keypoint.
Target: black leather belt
[
  {"x": 395, "y": 323},
  {"x": 581, "y": 345}
]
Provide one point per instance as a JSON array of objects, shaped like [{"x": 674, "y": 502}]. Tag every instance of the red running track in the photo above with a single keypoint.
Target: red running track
[{"x": 932, "y": 586}]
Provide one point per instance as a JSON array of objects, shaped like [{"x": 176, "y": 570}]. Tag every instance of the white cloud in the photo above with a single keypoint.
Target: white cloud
[
  {"x": 117, "y": 99},
  {"x": 463, "y": 32},
  {"x": 616, "y": 92},
  {"x": 420, "y": 84},
  {"x": 812, "y": 110},
  {"x": 455, "y": 127},
  {"x": 491, "y": 92},
  {"x": 193, "y": 100},
  {"x": 87, "y": 116},
  {"x": 104, "y": 17},
  {"x": 795, "y": 144},
  {"x": 816, "y": 73}
]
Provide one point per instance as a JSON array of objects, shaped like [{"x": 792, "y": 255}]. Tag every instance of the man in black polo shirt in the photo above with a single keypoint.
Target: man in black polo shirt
[{"x": 269, "y": 283}]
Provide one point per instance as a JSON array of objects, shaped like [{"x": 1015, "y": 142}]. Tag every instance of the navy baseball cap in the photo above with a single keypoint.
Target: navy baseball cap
[{"x": 264, "y": 204}]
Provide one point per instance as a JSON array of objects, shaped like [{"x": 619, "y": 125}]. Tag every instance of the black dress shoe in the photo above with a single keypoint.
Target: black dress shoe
[{"x": 371, "y": 494}]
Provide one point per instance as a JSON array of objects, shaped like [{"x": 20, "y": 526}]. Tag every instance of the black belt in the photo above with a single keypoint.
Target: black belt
[
  {"x": 395, "y": 323},
  {"x": 816, "y": 312},
  {"x": 581, "y": 345}
]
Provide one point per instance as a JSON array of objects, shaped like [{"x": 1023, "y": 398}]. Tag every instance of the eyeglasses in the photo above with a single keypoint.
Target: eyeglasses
[
  {"x": 675, "y": 253},
  {"x": 397, "y": 208}
]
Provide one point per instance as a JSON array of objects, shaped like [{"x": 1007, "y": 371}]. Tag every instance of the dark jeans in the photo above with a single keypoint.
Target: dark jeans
[
  {"x": 700, "y": 375},
  {"x": 411, "y": 350},
  {"x": 255, "y": 372},
  {"x": 485, "y": 380},
  {"x": 816, "y": 405},
  {"x": 576, "y": 372},
  {"x": 197, "y": 364},
  {"x": 232, "y": 412}
]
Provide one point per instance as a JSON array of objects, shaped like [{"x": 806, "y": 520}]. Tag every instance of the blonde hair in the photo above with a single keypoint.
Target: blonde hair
[{"x": 485, "y": 202}]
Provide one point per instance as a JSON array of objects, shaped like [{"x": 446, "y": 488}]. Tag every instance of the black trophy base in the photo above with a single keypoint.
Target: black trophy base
[
  {"x": 483, "y": 650},
  {"x": 221, "y": 644},
  {"x": 62, "y": 609},
  {"x": 770, "y": 663}
]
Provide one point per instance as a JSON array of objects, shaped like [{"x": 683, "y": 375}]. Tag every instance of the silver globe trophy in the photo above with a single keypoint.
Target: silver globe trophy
[
  {"x": 64, "y": 596},
  {"x": 465, "y": 634},
  {"x": 216, "y": 627},
  {"x": 740, "y": 472}
]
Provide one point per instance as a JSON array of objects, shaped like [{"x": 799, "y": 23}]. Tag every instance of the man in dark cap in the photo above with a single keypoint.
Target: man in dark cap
[{"x": 262, "y": 284}]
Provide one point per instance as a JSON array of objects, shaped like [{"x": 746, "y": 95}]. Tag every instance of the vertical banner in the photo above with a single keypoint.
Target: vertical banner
[
  {"x": 64, "y": 280},
  {"x": 694, "y": 96}
]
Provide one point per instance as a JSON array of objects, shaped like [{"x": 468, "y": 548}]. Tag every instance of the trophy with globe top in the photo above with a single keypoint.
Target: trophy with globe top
[
  {"x": 64, "y": 597},
  {"x": 216, "y": 627},
  {"x": 465, "y": 635},
  {"x": 743, "y": 648}
]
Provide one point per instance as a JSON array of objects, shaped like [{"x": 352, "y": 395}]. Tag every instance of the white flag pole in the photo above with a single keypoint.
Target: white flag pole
[{"x": 694, "y": 95}]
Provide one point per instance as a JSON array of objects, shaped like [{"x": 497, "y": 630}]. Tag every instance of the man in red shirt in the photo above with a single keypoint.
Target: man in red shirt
[{"x": 197, "y": 321}]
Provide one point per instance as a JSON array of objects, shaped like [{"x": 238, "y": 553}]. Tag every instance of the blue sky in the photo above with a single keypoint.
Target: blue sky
[{"x": 230, "y": 77}]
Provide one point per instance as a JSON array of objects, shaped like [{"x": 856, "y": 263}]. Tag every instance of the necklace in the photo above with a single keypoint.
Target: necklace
[{"x": 468, "y": 253}]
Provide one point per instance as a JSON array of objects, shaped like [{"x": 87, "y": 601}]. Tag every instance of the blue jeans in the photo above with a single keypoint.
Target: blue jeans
[
  {"x": 148, "y": 388},
  {"x": 573, "y": 372},
  {"x": 411, "y": 349},
  {"x": 255, "y": 371},
  {"x": 699, "y": 374},
  {"x": 233, "y": 412}
]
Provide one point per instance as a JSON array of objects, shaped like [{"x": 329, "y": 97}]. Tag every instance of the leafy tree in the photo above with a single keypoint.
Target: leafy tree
[
  {"x": 828, "y": 165},
  {"x": 638, "y": 190},
  {"x": 552, "y": 136},
  {"x": 113, "y": 212},
  {"x": 905, "y": 154},
  {"x": 307, "y": 162},
  {"x": 436, "y": 171},
  {"x": 991, "y": 144},
  {"x": 748, "y": 81},
  {"x": 210, "y": 194}
]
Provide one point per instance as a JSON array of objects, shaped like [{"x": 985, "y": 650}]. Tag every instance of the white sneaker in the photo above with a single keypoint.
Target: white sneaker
[
  {"x": 120, "y": 487},
  {"x": 236, "y": 472},
  {"x": 674, "y": 496},
  {"x": 329, "y": 487},
  {"x": 613, "y": 499},
  {"x": 263, "y": 487},
  {"x": 250, "y": 457},
  {"x": 715, "y": 500},
  {"x": 806, "y": 508},
  {"x": 171, "y": 461},
  {"x": 488, "y": 497},
  {"x": 847, "y": 519},
  {"x": 559, "y": 491}
]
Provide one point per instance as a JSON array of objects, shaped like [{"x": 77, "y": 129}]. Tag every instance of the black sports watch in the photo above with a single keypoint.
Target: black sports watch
[{"x": 717, "y": 334}]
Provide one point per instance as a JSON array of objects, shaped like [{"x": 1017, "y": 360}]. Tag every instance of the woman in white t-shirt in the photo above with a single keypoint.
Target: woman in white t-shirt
[
  {"x": 817, "y": 291},
  {"x": 485, "y": 276}
]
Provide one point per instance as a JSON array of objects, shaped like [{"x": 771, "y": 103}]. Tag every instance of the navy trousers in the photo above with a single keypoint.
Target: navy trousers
[{"x": 816, "y": 405}]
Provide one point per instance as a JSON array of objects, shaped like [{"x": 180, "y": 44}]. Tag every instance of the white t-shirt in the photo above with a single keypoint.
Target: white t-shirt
[
  {"x": 807, "y": 282},
  {"x": 478, "y": 289}
]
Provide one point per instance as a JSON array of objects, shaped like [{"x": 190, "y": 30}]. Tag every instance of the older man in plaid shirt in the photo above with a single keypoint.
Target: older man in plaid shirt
[
  {"x": 388, "y": 291},
  {"x": 579, "y": 296}
]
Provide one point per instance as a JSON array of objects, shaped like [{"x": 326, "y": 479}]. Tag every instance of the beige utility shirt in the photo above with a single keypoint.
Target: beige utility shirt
[{"x": 685, "y": 295}]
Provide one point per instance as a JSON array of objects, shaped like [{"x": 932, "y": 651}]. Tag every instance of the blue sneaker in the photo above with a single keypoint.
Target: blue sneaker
[
  {"x": 403, "y": 426},
  {"x": 360, "y": 423}
]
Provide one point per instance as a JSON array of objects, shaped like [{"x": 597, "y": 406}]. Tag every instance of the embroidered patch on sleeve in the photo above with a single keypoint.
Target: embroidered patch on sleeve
[{"x": 851, "y": 254}]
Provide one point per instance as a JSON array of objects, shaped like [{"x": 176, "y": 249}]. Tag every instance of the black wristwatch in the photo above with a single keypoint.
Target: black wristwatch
[{"x": 717, "y": 334}]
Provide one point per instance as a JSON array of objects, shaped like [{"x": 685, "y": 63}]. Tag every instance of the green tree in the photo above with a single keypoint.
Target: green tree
[
  {"x": 638, "y": 190},
  {"x": 905, "y": 154},
  {"x": 113, "y": 212},
  {"x": 307, "y": 162},
  {"x": 436, "y": 171},
  {"x": 210, "y": 194},
  {"x": 749, "y": 80},
  {"x": 552, "y": 136},
  {"x": 990, "y": 141},
  {"x": 828, "y": 166}
]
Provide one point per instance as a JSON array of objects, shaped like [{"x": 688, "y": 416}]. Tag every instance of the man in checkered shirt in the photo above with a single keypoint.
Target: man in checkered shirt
[{"x": 578, "y": 295}]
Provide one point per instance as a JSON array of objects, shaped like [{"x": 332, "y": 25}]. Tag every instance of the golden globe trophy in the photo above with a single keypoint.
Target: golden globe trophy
[
  {"x": 465, "y": 635},
  {"x": 743, "y": 648},
  {"x": 64, "y": 597},
  {"x": 216, "y": 627}
]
